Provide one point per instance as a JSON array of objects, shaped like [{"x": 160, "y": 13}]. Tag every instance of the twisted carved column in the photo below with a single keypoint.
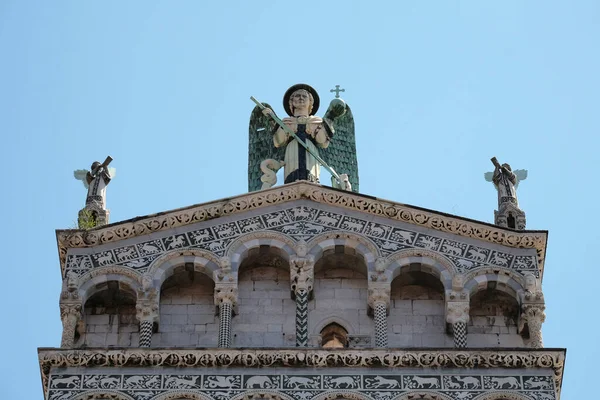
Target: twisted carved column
[
  {"x": 70, "y": 313},
  {"x": 225, "y": 298},
  {"x": 457, "y": 311},
  {"x": 301, "y": 278},
  {"x": 147, "y": 314},
  {"x": 379, "y": 301}
]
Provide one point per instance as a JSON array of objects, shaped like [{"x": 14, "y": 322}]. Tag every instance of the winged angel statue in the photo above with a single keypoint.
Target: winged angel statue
[
  {"x": 330, "y": 138},
  {"x": 506, "y": 181},
  {"x": 95, "y": 181}
]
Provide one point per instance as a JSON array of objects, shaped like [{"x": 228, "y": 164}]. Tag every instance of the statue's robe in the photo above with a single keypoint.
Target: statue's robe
[
  {"x": 299, "y": 163},
  {"x": 505, "y": 182},
  {"x": 97, "y": 187}
]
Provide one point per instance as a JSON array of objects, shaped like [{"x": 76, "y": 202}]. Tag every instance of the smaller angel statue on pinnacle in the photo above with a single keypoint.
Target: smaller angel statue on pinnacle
[
  {"x": 506, "y": 181},
  {"x": 95, "y": 181},
  {"x": 329, "y": 140}
]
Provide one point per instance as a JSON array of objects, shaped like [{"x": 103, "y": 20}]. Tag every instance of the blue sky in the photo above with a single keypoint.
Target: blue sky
[{"x": 436, "y": 88}]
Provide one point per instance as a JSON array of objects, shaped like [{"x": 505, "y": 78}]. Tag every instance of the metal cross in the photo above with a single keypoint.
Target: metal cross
[{"x": 337, "y": 91}]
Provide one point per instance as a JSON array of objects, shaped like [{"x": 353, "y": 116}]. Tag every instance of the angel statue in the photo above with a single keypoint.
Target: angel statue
[
  {"x": 506, "y": 182},
  {"x": 330, "y": 140},
  {"x": 95, "y": 181}
]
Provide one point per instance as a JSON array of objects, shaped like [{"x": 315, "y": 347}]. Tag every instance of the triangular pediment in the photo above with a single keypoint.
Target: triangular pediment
[{"x": 302, "y": 211}]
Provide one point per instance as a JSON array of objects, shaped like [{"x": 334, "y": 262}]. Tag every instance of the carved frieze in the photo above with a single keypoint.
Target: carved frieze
[
  {"x": 310, "y": 225},
  {"x": 300, "y": 222},
  {"x": 481, "y": 372}
]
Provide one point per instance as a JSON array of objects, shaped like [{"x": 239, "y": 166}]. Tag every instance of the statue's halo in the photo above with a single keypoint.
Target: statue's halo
[{"x": 288, "y": 94}]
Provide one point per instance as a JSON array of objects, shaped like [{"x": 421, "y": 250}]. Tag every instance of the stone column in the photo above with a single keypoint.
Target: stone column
[
  {"x": 301, "y": 278},
  {"x": 532, "y": 310},
  {"x": 457, "y": 315},
  {"x": 70, "y": 313},
  {"x": 457, "y": 311},
  {"x": 379, "y": 301},
  {"x": 147, "y": 314},
  {"x": 534, "y": 316},
  {"x": 226, "y": 299}
]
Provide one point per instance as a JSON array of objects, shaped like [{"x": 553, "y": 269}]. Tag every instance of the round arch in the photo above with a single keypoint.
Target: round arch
[
  {"x": 181, "y": 394},
  {"x": 503, "y": 395},
  {"x": 422, "y": 395},
  {"x": 261, "y": 394},
  {"x": 505, "y": 281},
  {"x": 163, "y": 267},
  {"x": 328, "y": 240},
  {"x": 101, "y": 394},
  {"x": 434, "y": 263},
  {"x": 88, "y": 283},
  {"x": 238, "y": 250}
]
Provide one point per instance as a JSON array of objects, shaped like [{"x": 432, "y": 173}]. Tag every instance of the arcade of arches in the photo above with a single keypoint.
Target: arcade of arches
[{"x": 338, "y": 312}]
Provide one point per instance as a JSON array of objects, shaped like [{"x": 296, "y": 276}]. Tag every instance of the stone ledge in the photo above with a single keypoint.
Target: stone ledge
[{"x": 507, "y": 358}]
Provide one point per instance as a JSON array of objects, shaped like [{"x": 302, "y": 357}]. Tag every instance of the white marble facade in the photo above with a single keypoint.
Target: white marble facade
[{"x": 284, "y": 268}]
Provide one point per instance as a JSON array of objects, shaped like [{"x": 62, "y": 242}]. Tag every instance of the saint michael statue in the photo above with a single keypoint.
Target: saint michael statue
[{"x": 330, "y": 140}]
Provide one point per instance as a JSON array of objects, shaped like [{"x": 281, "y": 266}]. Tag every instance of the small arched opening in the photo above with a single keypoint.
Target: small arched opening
[
  {"x": 108, "y": 317},
  {"x": 334, "y": 336},
  {"x": 187, "y": 310},
  {"x": 493, "y": 318},
  {"x": 417, "y": 308},
  {"x": 266, "y": 311}
]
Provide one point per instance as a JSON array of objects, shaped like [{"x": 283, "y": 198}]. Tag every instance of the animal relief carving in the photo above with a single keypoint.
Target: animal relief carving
[
  {"x": 342, "y": 382},
  {"x": 182, "y": 382},
  {"x": 421, "y": 382},
  {"x": 61, "y": 381},
  {"x": 301, "y": 382},
  {"x": 262, "y": 382},
  {"x": 222, "y": 382},
  {"x": 379, "y": 382}
]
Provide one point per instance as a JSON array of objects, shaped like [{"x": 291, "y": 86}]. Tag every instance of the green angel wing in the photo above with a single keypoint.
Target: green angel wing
[
  {"x": 260, "y": 145},
  {"x": 341, "y": 152}
]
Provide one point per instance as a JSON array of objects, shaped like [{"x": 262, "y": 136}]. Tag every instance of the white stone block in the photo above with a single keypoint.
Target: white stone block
[
  {"x": 184, "y": 299},
  {"x": 180, "y": 319},
  {"x": 346, "y": 293},
  {"x": 428, "y": 307}
]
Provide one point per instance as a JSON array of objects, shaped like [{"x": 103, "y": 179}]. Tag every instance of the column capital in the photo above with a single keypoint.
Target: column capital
[
  {"x": 226, "y": 293},
  {"x": 147, "y": 306},
  {"x": 530, "y": 312},
  {"x": 70, "y": 309},
  {"x": 302, "y": 271},
  {"x": 457, "y": 311},
  {"x": 379, "y": 294}
]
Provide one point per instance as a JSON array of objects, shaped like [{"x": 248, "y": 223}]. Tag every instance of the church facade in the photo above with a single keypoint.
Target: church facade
[{"x": 302, "y": 292}]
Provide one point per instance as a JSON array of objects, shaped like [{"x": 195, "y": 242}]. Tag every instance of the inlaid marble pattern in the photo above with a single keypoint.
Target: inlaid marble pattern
[
  {"x": 303, "y": 223},
  {"x": 302, "y": 386}
]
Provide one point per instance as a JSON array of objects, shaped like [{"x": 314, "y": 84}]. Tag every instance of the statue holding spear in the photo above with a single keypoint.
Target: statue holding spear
[{"x": 304, "y": 141}]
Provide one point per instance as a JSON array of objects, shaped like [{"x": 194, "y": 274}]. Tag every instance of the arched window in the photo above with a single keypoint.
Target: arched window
[
  {"x": 334, "y": 336},
  {"x": 109, "y": 316}
]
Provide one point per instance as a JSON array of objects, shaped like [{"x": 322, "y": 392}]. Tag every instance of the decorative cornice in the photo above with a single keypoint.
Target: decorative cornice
[
  {"x": 310, "y": 358},
  {"x": 251, "y": 201}
]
